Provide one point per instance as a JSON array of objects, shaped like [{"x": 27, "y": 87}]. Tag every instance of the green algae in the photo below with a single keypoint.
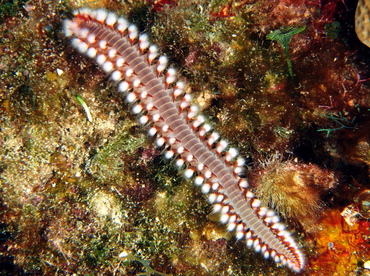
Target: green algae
[
  {"x": 10, "y": 8},
  {"x": 107, "y": 163},
  {"x": 283, "y": 36},
  {"x": 128, "y": 257},
  {"x": 340, "y": 122}
]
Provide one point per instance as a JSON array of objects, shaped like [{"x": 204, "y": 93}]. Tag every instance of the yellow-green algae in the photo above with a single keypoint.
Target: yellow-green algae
[{"x": 76, "y": 194}]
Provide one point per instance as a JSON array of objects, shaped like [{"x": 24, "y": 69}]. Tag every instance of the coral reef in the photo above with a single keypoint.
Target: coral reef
[{"x": 74, "y": 194}]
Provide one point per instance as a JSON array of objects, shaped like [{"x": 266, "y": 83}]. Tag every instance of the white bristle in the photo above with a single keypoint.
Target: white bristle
[
  {"x": 232, "y": 218},
  {"x": 270, "y": 213},
  {"x": 212, "y": 199},
  {"x": 207, "y": 174},
  {"x": 189, "y": 158},
  {"x": 240, "y": 228},
  {"x": 188, "y": 173},
  {"x": 225, "y": 209},
  {"x": 187, "y": 98},
  {"x": 177, "y": 92},
  {"x": 143, "y": 41},
  {"x": 239, "y": 235},
  {"x": 283, "y": 261},
  {"x": 220, "y": 198},
  {"x": 180, "y": 85},
  {"x": 143, "y": 119},
  {"x": 180, "y": 150},
  {"x": 85, "y": 12},
  {"x": 256, "y": 203},
  {"x": 221, "y": 146},
  {"x": 112, "y": 53},
  {"x": 162, "y": 64},
  {"x": 160, "y": 141},
  {"x": 231, "y": 154},
  {"x": 152, "y": 131},
  {"x": 132, "y": 32},
  {"x": 107, "y": 66},
  {"x": 100, "y": 59},
  {"x": 172, "y": 140},
  {"x": 199, "y": 180},
  {"x": 149, "y": 106},
  {"x": 215, "y": 186},
  {"x": 169, "y": 154},
  {"x": 101, "y": 15},
  {"x": 165, "y": 128},
  {"x": 81, "y": 46},
  {"x": 213, "y": 138},
  {"x": 122, "y": 24},
  {"x": 111, "y": 19},
  {"x": 84, "y": 33},
  {"x": 277, "y": 259},
  {"x": 249, "y": 242},
  {"x": 68, "y": 25},
  {"x": 238, "y": 170},
  {"x": 231, "y": 226},
  {"x": 184, "y": 105},
  {"x": 224, "y": 218},
  {"x": 206, "y": 188},
  {"x": 152, "y": 53},
  {"x": 240, "y": 162},
  {"x": 216, "y": 207},
  {"x": 116, "y": 75},
  {"x": 198, "y": 121},
  {"x": 91, "y": 13},
  {"x": 144, "y": 45},
  {"x": 243, "y": 183},
  {"x": 193, "y": 111},
  {"x": 163, "y": 60},
  {"x": 136, "y": 83},
  {"x": 200, "y": 166},
  {"x": 119, "y": 62},
  {"x": 82, "y": 11},
  {"x": 279, "y": 226},
  {"x": 171, "y": 75},
  {"x": 91, "y": 52},
  {"x": 129, "y": 72},
  {"x": 91, "y": 38},
  {"x": 275, "y": 219},
  {"x": 204, "y": 129},
  {"x": 257, "y": 246},
  {"x": 144, "y": 95},
  {"x": 262, "y": 211},
  {"x": 137, "y": 109},
  {"x": 266, "y": 255},
  {"x": 131, "y": 97},
  {"x": 103, "y": 44},
  {"x": 156, "y": 117},
  {"x": 123, "y": 86},
  {"x": 180, "y": 162}
]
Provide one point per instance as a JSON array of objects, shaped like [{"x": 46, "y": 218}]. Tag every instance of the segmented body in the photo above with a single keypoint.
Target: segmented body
[{"x": 143, "y": 77}]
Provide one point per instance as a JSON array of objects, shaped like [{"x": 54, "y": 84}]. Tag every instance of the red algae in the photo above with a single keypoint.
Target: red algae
[{"x": 339, "y": 248}]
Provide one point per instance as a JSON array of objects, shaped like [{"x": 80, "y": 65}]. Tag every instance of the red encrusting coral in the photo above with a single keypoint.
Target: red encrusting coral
[{"x": 339, "y": 248}]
